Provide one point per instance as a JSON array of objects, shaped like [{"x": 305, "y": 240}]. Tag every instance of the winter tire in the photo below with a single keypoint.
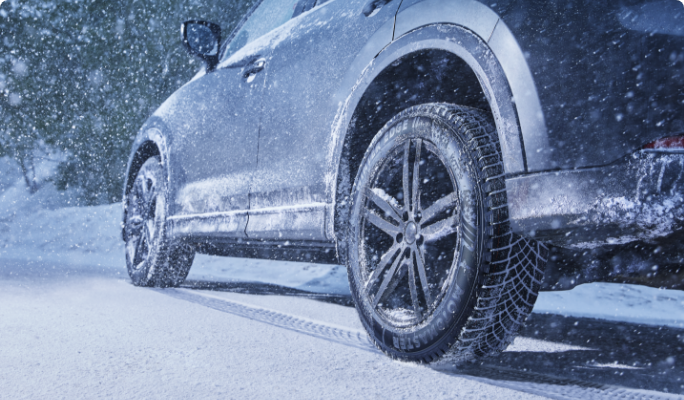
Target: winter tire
[
  {"x": 434, "y": 269},
  {"x": 150, "y": 258}
]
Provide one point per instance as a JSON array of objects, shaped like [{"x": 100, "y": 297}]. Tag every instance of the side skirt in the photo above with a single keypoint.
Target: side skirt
[
  {"x": 317, "y": 252},
  {"x": 295, "y": 233}
]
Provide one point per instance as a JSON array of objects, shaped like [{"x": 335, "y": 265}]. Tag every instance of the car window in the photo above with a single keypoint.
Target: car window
[{"x": 269, "y": 15}]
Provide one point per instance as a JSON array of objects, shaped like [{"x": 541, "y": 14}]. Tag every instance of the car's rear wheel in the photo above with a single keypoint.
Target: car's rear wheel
[
  {"x": 434, "y": 268},
  {"x": 151, "y": 259}
]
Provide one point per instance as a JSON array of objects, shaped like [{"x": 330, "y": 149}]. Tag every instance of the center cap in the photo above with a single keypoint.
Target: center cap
[{"x": 410, "y": 232}]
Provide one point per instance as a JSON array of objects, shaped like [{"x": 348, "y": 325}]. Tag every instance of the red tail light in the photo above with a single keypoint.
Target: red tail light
[{"x": 673, "y": 142}]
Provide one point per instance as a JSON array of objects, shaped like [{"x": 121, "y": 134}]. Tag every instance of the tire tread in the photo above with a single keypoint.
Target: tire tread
[{"x": 513, "y": 268}]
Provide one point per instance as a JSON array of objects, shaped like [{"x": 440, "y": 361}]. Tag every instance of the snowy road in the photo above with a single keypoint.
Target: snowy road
[{"x": 69, "y": 331}]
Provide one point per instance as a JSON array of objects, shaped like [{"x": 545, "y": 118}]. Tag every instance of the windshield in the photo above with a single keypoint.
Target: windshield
[{"x": 269, "y": 15}]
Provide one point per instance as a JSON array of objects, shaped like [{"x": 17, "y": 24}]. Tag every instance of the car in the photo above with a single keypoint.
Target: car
[{"x": 457, "y": 156}]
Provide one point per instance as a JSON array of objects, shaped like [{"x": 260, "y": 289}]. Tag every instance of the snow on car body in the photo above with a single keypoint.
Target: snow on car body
[{"x": 491, "y": 131}]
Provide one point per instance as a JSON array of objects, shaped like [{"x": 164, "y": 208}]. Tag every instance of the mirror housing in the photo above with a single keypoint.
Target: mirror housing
[{"x": 202, "y": 39}]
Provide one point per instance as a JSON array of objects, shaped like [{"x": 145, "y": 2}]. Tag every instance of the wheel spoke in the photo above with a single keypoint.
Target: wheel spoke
[
  {"x": 416, "y": 178},
  {"x": 385, "y": 205},
  {"x": 441, "y": 229},
  {"x": 438, "y": 206},
  {"x": 149, "y": 224},
  {"x": 384, "y": 260},
  {"x": 141, "y": 201},
  {"x": 386, "y": 280},
  {"x": 150, "y": 203},
  {"x": 141, "y": 189},
  {"x": 405, "y": 177},
  {"x": 152, "y": 208},
  {"x": 412, "y": 286},
  {"x": 134, "y": 224},
  {"x": 137, "y": 195},
  {"x": 149, "y": 189},
  {"x": 138, "y": 258},
  {"x": 385, "y": 226},
  {"x": 420, "y": 264}
]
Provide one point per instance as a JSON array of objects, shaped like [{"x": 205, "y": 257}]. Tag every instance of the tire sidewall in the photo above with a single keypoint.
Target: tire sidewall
[{"x": 432, "y": 337}]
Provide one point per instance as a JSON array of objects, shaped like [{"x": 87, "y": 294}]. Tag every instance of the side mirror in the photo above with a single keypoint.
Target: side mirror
[{"x": 203, "y": 40}]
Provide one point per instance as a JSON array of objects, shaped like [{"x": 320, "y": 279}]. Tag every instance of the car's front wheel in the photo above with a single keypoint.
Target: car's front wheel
[
  {"x": 434, "y": 268},
  {"x": 151, "y": 259}
]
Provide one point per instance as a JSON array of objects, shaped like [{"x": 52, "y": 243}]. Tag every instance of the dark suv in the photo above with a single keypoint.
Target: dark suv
[{"x": 446, "y": 151}]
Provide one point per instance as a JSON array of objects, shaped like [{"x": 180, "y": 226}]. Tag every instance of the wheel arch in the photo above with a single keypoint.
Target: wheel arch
[
  {"x": 145, "y": 151},
  {"x": 473, "y": 77},
  {"x": 517, "y": 75}
]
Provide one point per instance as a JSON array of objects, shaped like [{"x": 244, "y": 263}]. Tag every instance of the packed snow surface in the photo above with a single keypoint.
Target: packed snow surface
[{"x": 97, "y": 337}]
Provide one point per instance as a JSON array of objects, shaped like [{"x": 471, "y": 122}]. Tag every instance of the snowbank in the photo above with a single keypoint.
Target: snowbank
[{"x": 44, "y": 226}]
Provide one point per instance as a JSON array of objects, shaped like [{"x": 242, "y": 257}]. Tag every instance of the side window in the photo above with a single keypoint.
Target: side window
[{"x": 269, "y": 15}]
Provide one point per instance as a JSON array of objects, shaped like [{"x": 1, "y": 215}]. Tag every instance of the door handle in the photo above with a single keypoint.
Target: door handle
[
  {"x": 254, "y": 68},
  {"x": 373, "y": 6}
]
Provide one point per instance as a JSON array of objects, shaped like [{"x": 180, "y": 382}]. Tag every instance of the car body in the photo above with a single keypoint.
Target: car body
[{"x": 254, "y": 148}]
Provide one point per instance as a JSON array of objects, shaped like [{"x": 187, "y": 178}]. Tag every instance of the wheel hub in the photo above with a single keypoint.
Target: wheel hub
[{"x": 411, "y": 232}]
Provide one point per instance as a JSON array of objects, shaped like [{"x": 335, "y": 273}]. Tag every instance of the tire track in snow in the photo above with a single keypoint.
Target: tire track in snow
[
  {"x": 337, "y": 334},
  {"x": 527, "y": 382}
]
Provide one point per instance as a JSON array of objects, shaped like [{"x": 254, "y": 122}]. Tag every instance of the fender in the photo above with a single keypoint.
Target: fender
[
  {"x": 466, "y": 45},
  {"x": 485, "y": 23}
]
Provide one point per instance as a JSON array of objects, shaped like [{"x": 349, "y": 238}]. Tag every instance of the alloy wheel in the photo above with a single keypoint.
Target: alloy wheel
[
  {"x": 410, "y": 230},
  {"x": 141, "y": 225}
]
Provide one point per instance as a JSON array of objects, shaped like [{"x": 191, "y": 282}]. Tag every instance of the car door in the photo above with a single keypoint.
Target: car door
[
  {"x": 288, "y": 197},
  {"x": 216, "y": 119}
]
